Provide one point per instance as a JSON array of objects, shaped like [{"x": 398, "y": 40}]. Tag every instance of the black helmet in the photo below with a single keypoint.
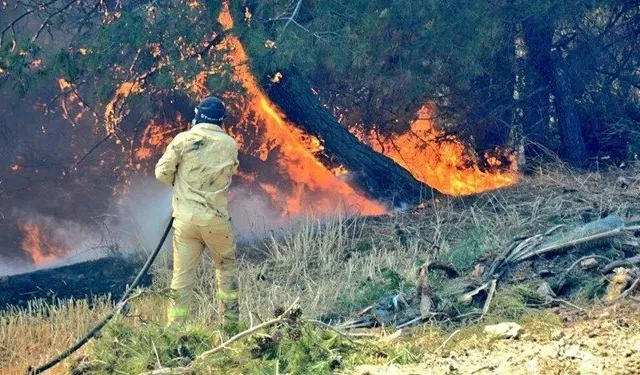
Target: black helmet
[{"x": 210, "y": 110}]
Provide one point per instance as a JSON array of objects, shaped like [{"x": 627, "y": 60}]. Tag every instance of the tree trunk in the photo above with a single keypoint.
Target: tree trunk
[
  {"x": 535, "y": 91},
  {"x": 549, "y": 72},
  {"x": 573, "y": 147},
  {"x": 377, "y": 175}
]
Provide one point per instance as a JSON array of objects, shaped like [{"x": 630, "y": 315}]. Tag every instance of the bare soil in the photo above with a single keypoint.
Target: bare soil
[{"x": 603, "y": 341}]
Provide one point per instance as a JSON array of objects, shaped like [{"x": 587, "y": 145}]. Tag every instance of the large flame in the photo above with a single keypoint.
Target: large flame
[
  {"x": 317, "y": 190},
  {"x": 443, "y": 161},
  {"x": 40, "y": 247}
]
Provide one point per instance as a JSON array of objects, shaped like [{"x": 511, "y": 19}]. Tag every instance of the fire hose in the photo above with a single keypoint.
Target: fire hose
[{"x": 122, "y": 303}]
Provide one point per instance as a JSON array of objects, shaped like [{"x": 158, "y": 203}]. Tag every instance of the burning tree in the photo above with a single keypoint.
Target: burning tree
[{"x": 365, "y": 102}]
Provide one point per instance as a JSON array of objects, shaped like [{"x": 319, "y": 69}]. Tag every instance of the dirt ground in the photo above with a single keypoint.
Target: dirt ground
[{"x": 603, "y": 341}]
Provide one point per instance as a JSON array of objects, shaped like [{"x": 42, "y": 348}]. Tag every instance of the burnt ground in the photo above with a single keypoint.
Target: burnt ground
[{"x": 81, "y": 280}]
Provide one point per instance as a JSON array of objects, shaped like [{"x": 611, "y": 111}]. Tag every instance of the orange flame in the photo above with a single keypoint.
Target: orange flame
[
  {"x": 112, "y": 113},
  {"x": 443, "y": 161},
  {"x": 154, "y": 139},
  {"x": 41, "y": 248}
]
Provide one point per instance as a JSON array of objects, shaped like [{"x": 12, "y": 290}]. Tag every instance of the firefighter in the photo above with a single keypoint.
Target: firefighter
[{"x": 200, "y": 163}]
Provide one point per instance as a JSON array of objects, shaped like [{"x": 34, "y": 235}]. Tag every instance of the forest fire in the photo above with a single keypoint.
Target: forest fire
[
  {"x": 284, "y": 163},
  {"x": 39, "y": 245},
  {"x": 443, "y": 161}
]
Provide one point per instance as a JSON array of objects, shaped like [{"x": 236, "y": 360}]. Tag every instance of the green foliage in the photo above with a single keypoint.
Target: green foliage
[
  {"x": 66, "y": 66},
  {"x": 293, "y": 347},
  {"x": 593, "y": 289},
  {"x": 465, "y": 254},
  {"x": 389, "y": 283},
  {"x": 510, "y": 301},
  {"x": 16, "y": 64},
  {"x": 377, "y": 62}
]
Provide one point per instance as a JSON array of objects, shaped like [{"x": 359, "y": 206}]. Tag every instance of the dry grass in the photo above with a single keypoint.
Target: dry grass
[
  {"x": 327, "y": 263},
  {"x": 322, "y": 262},
  {"x": 33, "y": 335}
]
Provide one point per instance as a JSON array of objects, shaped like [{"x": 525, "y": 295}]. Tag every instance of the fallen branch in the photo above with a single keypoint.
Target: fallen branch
[
  {"x": 348, "y": 336},
  {"x": 620, "y": 263},
  {"x": 283, "y": 317},
  {"x": 492, "y": 291},
  {"x": 565, "y": 245},
  {"x": 410, "y": 322}
]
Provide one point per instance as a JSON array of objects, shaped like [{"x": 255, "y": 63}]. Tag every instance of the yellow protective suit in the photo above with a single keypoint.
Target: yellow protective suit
[{"x": 200, "y": 163}]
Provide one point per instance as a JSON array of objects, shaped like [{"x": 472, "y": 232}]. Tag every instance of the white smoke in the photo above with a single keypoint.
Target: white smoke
[
  {"x": 136, "y": 222},
  {"x": 144, "y": 214}
]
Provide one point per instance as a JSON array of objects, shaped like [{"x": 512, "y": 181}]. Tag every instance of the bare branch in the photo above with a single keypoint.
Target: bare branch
[
  {"x": 48, "y": 19},
  {"x": 292, "y": 18},
  {"x": 11, "y": 24}
]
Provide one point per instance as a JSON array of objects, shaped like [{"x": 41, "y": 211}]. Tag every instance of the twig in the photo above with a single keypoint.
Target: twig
[
  {"x": 167, "y": 371},
  {"x": 76, "y": 164},
  {"x": 560, "y": 300},
  {"x": 446, "y": 341},
  {"x": 291, "y": 18},
  {"x": 582, "y": 259},
  {"x": 485, "y": 367},
  {"x": 492, "y": 291},
  {"x": 410, "y": 322},
  {"x": 630, "y": 290},
  {"x": 240, "y": 335},
  {"x": 155, "y": 350},
  {"x": 348, "y": 336},
  {"x": 17, "y": 19},
  {"x": 46, "y": 22}
]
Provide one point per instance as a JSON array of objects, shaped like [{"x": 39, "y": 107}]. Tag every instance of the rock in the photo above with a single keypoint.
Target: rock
[
  {"x": 589, "y": 263},
  {"x": 507, "y": 330},
  {"x": 573, "y": 352}
]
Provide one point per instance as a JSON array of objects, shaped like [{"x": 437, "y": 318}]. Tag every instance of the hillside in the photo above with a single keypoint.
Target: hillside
[{"x": 357, "y": 279}]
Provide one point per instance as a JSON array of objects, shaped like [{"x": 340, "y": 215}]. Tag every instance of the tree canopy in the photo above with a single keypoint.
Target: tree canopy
[{"x": 555, "y": 75}]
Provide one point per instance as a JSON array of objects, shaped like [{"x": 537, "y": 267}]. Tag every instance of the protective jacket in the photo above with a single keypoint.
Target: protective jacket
[{"x": 199, "y": 163}]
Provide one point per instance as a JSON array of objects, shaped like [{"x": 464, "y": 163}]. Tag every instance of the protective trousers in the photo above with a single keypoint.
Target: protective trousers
[{"x": 189, "y": 241}]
